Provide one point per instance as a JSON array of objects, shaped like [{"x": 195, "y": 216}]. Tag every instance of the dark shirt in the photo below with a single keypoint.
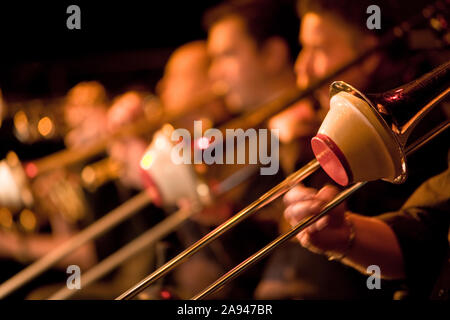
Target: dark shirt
[{"x": 421, "y": 227}]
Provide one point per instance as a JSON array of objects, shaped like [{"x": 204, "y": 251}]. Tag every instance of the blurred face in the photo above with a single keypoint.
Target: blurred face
[
  {"x": 327, "y": 44},
  {"x": 185, "y": 78},
  {"x": 128, "y": 150},
  {"x": 237, "y": 65},
  {"x": 81, "y": 100},
  {"x": 85, "y": 114},
  {"x": 126, "y": 109},
  {"x": 87, "y": 124}
]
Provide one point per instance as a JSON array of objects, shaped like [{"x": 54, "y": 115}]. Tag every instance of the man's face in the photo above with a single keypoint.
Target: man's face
[
  {"x": 237, "y": 65},
  {"x": 185, "y": 79},
  {"x": 126, "y": 150},
  {"x": 327, "y": 44}
]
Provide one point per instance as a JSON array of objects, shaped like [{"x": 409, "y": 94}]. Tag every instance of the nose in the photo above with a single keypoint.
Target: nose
[
  {"x": 213, "y": 71},
  {"x": 304, "y": 68},
  {"x": 216, "y": 77}
]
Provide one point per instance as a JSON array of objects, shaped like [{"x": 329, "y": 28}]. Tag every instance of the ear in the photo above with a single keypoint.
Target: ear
[{"x": 276, "y": 55}]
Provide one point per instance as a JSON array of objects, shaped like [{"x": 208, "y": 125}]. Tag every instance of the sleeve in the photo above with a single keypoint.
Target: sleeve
[{"x": 421, "y": 227}]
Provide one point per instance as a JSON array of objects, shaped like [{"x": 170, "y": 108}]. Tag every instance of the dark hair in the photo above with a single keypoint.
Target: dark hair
[
  {"x": 263, "y": 19},
  {"x": 354, "y": 13}
]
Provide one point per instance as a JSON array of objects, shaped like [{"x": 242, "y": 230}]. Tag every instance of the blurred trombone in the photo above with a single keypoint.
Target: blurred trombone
[
  {"x": 167, "y": 186},
  {"x": 375, "y": 148}
]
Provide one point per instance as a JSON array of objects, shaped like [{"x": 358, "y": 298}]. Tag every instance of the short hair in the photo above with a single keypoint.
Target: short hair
[
  {"x": 354, "y": 13},
  {"x": 263, "y": 19}
]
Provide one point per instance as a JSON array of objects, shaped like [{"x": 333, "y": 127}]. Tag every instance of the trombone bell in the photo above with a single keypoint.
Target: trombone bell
[
  {"x": 14, "y": 188},
  {"x": 363, "y": 138},
  {"x": 352, "y": 144},
  {"x": 167, "y": 181}
]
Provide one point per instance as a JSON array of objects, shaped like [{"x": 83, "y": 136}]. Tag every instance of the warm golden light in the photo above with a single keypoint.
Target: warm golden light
[
  {"x": 21, "y": 125},
  {"x": 6, "y": 219},
  {"x": 146, "y": 161},
  {"x": 28, "y": 220},
  {"x": 12, "y": 159},
  {"x": 167, "y": 129},
  {"x": 45, "y": 126},
  {"x": 88, "y": 175}
]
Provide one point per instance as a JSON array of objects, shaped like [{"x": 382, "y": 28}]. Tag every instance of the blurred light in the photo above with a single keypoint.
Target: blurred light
[
  {"x": 165, "y": 294},
  {"x": 9, "y": 190},
  {"x": 31, "y": 170},
  {"x": 28, "y": 220},
  {"x": 45, "y": 126},
  {"x": 12, "y": 159},
  {"x": 202, "y": 190},
  {"x": 6, "y": 219},
  {"x": 167, "y": 129},
  {"x": 21, "y": 125},
  {"x": 438, "y": 23},
  {"x": 146, "y": 161},
  {"x": 203, "y": 143},
  {"x": 88, "y": 175}
]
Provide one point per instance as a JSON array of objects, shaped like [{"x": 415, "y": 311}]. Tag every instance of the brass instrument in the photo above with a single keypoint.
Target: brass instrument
[
  {"x": 247, "y": 120},
  {"x": 434, "y": 85},
  {"x": 96, "y": 174},
  {"x": 38, "y": 120}
]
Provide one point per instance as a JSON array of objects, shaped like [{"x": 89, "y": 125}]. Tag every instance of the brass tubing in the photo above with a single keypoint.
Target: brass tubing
[
  {"x": 107, "y": 222},
  {"x": 72, "y": 156},
  {"x": 152, "y": 235},
  {"x": 247, "y": 120},
  {"x": 126, "y": 252},
  {"x": 236, "y": 271},
  {"x": 268, "y": 197}
]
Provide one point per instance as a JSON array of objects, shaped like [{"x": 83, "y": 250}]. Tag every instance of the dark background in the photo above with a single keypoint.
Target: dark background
[{"x": 121, "y": 43}]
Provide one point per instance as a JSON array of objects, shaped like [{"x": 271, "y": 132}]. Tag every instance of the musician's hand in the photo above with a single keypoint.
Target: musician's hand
[{"x": 330, "y": 233}]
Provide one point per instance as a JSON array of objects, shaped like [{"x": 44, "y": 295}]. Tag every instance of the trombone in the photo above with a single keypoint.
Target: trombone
[
  {"x": 149, "y": 237},
  {"x": 247, "y": 120},
  {"x": 396, "y": 138},
  {"x": 127, "y": 209},
  {"x": 146, "y": 125},
  {"x": 435, "y": 83}
]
